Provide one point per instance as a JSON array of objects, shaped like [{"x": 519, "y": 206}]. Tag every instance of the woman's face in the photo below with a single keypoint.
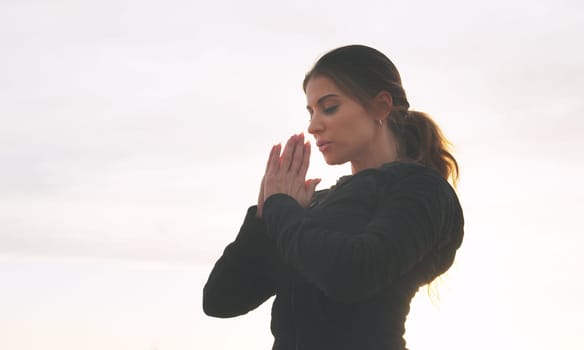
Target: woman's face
[{"x": 342, "y": 127}]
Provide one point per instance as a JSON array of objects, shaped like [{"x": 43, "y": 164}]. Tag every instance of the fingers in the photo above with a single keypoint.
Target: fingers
[
  {"x": 309, "y": 189},
  {"x": 311, "y": 184},
  {"x": 261, "y": 194},
  {"x": 273, "y": 165},
  {"x": 270, "y": 158},
  {"x": 291, "y": 166},
  {"x": 298, "y": 155},
  {"x": 305, "y": 160},
  {"x": 288, "y": 153}
]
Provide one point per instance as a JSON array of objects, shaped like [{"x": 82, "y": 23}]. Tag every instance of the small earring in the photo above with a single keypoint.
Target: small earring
[{"x": 380, "y": 122}]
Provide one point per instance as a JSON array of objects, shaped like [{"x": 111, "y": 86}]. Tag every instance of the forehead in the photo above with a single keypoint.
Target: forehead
[{"x": 320, "y": 86}]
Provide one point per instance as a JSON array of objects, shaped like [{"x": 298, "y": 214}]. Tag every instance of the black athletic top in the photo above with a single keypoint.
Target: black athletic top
[{"x": 345, "y": 269}]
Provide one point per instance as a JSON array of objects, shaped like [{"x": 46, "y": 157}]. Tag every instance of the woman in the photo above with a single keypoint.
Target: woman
[{"x": 344, "y": 263}]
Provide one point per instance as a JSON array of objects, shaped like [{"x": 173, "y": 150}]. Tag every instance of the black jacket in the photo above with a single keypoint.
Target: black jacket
[{"x": 345, "y": 269}]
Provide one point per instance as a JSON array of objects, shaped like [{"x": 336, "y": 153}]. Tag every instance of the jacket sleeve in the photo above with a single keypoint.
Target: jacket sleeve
[
  {"x": 414, "y": 216},
  {"x": 239, "y": 281}
]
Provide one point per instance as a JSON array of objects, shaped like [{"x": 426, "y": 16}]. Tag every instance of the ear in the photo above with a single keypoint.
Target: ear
[{"x": 383, "y": 104}]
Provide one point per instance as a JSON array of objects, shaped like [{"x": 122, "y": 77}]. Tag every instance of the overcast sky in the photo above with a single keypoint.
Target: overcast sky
[{"x": 137, "y": 131}]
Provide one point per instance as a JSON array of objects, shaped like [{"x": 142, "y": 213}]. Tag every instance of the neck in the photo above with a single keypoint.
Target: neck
[
  {"x": 357, "y": 166},
  {"x": 382, "y": 150}
]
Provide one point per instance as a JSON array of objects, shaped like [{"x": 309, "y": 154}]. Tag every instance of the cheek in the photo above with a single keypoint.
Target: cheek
[{"x": 358, "y": 129}]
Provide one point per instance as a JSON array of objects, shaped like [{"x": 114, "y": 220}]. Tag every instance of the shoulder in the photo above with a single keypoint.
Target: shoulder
[
  {"x": 389, "y": 176},
  {"x": 403, "y": 182},
  {"x": 391, "y": 181},
  {"x": 422, "y": 195},
  {"x": 406, "y": 174}
]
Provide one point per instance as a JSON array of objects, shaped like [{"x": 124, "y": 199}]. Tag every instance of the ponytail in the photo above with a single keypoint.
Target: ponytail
[{"x": 422, "y": 141}]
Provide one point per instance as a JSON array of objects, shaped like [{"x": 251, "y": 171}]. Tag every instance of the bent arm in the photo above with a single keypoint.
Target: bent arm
[
  {"x": 412, "y": 219},
  {"x": 239, "y": 281}
]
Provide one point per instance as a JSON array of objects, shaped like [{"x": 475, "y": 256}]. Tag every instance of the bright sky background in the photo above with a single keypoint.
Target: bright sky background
[{"x": 133, "y": 136}]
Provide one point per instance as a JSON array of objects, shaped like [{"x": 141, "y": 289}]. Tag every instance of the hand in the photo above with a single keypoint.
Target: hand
[
  {"x": 261, "y": 195},
  {"x": 287, "y": 173}
]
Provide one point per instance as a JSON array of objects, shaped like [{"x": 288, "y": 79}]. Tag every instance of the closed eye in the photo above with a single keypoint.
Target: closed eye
[{"x": 330, "y": 110}]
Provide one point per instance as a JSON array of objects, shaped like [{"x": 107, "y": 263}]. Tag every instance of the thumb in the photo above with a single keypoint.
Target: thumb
[{"x": 312, "y": 183}]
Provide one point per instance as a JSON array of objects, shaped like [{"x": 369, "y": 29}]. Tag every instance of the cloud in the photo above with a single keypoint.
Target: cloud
[{"x": 141, "y": 130}]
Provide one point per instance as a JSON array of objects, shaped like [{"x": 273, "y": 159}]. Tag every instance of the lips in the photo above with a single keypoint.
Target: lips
[{"x": 322, "y": 145}]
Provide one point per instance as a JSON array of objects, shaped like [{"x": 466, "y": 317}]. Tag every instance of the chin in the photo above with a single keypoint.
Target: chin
[{"x": 330, "y": 160}]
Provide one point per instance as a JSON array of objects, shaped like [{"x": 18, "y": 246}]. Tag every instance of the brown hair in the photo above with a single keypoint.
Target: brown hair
[{"x": 363, "y": 72}]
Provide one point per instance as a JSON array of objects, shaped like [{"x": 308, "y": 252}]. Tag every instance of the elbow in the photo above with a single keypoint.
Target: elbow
[
  {"x": 223, "y": 303},
  {"x": 213, "y": 310},
  {"x": 210, "y": 305},
  {"x": 214, "y": 305}
]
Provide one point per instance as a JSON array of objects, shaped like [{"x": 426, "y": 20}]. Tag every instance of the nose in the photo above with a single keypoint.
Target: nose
[{"x": 316, "y": 125}]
